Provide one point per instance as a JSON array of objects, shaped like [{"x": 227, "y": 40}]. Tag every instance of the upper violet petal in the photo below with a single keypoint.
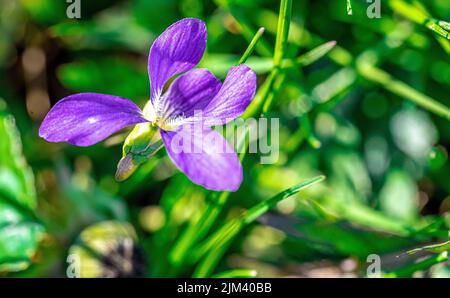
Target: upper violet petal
[
  {"x": 233, "y": 98},
  {"x": 189, "y": 92},
  {"x": 84, "y": 119},
  {"x": 204, "y": 156},
  {"x": 178, "y": 49}
]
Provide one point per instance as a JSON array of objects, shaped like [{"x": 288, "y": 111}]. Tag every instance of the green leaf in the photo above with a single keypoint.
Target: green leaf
[{"x": 20, "y": 230}]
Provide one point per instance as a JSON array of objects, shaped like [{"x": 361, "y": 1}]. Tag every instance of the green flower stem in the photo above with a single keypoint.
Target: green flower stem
[{"x": 276, "y": 87}]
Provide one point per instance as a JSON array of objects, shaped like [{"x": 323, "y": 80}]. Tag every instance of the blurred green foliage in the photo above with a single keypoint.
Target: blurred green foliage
[
  {"x": 20, "y": 229},
  {"x": 371, "y": 115}
]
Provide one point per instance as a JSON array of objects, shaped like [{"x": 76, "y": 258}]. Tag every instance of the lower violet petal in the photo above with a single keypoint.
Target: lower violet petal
[
  {"x": 87, "y": 118},
  {"x": 204, "y": 156}
]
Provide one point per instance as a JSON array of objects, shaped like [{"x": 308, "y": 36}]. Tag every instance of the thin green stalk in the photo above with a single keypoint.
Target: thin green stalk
[
  {"x": 310, "y": 57},
  {"x": 278, "y": 84},
  {"x": 410, "y": 269},
  {"x": 261, "y": 208},
  {"x": 256, "y": 104},
  {"x": 252, "y": 45},
  {"x": 236, "y": 273},
  {"x": 305, "y": 125},
  {"x": 388, "y": 82},
  {"x": 284, "y": 19},
  {"x": 436, "y": 248},
  {"x": 349, "y": 8}
]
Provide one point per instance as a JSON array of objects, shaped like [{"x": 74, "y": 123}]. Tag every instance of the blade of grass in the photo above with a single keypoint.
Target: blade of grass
[
  {"x": 349, "y": 8},
  {"x": 236, "y": 273},
  {"x": 436, "y": 248},
  {"x": 305, "y": 125},
  {"x": 252, "y": 45},
  {"x": 284, "y": 19},
  {"x": 276, "y": 87},
  {"x": 310, "y": 56},
  {"x": 425, "y": 264},
  {"x": 261, "y": 208},
  {"x": 214, "y": 247},
  {"x": 388, "y": 82},
  {"x": 418, "y": 14}
]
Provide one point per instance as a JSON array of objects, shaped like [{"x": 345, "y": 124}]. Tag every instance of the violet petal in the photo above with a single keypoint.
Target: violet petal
[
  {"x": 179, "y": 48},
  {"x": 236, "y": 93},
  {"x": 84, "y": 119},
  {"x": 189, "y": 92},
  {"x": 204, "y": 156}
]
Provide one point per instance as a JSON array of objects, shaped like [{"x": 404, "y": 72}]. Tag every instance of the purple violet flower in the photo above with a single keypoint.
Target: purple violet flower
[{"x": 87, "y": 118}]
